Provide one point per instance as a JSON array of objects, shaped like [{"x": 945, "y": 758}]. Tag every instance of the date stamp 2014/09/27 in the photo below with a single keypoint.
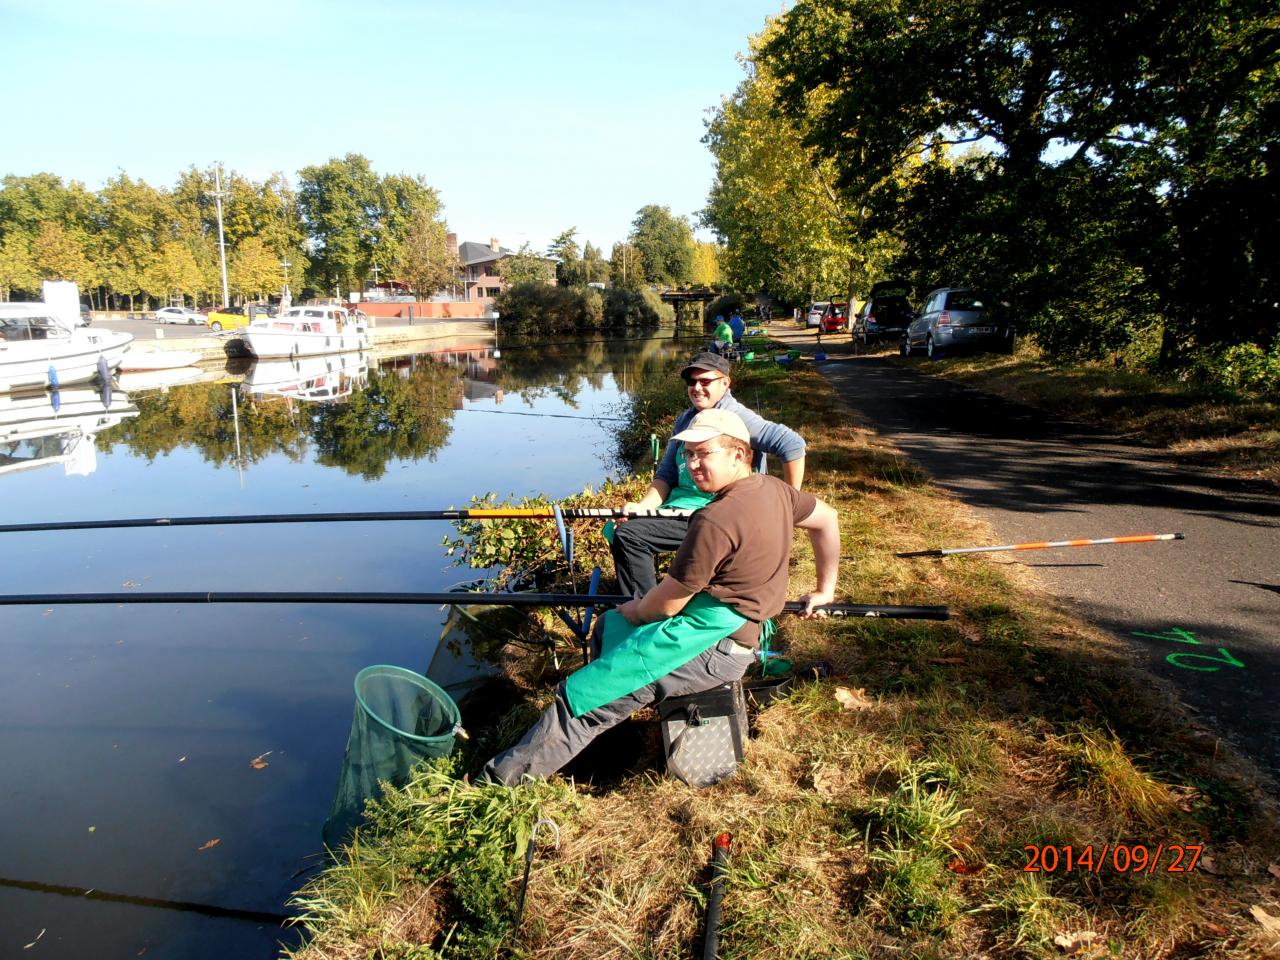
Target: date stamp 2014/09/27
[{"x": 1120, "y": 858}]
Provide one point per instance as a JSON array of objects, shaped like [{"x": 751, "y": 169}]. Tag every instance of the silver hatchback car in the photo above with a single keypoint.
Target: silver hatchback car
[{"x": 953, "y": 319}]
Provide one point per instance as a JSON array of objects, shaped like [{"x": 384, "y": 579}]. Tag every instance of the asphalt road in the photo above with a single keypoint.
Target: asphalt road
[{"x": 1212, "y": 602}]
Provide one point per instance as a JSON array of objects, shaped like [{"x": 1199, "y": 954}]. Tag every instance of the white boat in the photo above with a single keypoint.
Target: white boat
[
  {"x": 39, "y": 349},
  {"x": 308, "y": 378},
  {"x": 42, "y": 428},
  {"x": 308, "y": 331}
]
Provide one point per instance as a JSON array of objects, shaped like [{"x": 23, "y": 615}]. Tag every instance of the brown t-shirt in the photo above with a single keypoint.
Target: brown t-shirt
[{"x": 739, "y": 546}]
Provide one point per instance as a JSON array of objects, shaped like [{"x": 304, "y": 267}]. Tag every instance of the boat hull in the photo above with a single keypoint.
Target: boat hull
[
  {"x": 287, "y": 343},
  {"x": 58, "y": 362}
]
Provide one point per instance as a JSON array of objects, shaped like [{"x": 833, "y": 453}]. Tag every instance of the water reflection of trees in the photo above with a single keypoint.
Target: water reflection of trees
[
  {"x": 397, "y": 414},
  {"x": 532, "y": 369}
]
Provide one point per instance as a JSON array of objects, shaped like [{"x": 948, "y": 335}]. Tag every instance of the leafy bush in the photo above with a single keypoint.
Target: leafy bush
[
  {"x": 628, "y": 307},
  {"x": 1241, "y": 366},
  {"x": 537, "y": 308}
]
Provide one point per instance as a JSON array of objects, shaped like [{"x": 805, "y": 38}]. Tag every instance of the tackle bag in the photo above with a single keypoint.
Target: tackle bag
[{"x": 703, "y": 734}]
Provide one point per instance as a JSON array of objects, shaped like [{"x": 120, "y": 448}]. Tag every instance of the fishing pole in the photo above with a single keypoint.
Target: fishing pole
[
  {"x": 871, "y": 610},
  {"x": 1047, "y": 544},
  {"x": 719, "y": 863},
  {"x": 500, "y": 513}
]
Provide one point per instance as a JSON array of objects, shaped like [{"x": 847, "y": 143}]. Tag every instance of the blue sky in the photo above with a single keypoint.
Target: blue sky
[{"x": 528, "y": 118}]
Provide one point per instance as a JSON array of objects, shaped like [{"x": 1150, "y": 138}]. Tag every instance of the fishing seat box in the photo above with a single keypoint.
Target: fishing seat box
[{"x": 703, "y": 734}]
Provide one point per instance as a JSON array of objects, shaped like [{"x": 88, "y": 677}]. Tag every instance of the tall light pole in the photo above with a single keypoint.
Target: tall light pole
[
  {"x": 286, "y": 295},
  {"x": 222, "y": 246}
]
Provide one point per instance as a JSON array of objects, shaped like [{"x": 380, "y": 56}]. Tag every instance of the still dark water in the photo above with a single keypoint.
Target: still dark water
[{"x": 127, "y": 732}]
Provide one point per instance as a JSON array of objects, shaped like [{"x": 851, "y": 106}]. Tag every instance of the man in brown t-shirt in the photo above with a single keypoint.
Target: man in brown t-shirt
[{"x": 736, "y": 553}]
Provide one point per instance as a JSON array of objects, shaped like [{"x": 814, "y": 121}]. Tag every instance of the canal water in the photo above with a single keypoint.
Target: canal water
[{"x": 167, "y": 770}]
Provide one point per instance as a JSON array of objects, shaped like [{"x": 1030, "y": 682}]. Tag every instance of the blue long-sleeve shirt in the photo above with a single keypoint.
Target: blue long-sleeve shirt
[{"x": 767, "y": 437}]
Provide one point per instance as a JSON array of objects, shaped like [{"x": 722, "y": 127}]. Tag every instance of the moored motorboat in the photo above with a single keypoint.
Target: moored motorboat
[
  {"x": 39, "y": 349},
  {"x": 308, "y": 331}
]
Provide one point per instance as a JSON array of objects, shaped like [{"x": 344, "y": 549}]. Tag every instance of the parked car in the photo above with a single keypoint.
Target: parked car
[
  {"x": 178, "y": 315},
  {"x": 955, "y": 319},
  {"x": 835, "y": 319},
  {"x": 814, "y": 316},
  {"x": 233, "y": 318},
  {"x": 885, "y": 315}
]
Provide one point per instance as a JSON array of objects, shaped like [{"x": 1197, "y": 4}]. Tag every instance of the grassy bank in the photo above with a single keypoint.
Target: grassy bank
[
  {"x": 885, "y": 811},
  {"x": 1213, "y": 427}
]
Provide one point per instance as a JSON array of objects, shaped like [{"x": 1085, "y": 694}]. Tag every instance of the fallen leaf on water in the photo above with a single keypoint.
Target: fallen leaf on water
[
  {"x": 92, "y": 829},
  {"x": 36, "y": 940},
  {"x": 853, "y": 699},
  {"x": 258, "y": 763},
  {"x": 209, "y": 843},
  {"x": 1269, "y": 923},
  {"x": 1274, "y": 870},
  {"x": 131, "y": 583},
  {"x": 1072, "y": 943},
  {"x": 182, "y": 759}
]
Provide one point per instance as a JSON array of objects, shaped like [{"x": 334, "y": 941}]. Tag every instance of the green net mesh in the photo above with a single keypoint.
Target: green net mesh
[{"x": 401, "y": 718}]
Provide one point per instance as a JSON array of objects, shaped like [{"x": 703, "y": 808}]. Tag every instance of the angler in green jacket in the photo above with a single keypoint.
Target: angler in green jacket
[{"x": 701, "y": 626}]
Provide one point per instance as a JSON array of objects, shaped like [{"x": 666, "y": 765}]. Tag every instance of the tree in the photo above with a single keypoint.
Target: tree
[
  {"x": 254, "y": 270},
  {"x": 626, "y": 266},
  {"x": 594, "y": 267},
  {"x": 177, "y": 274},
  {"x": 665, "y": 242},
  {"x": 1169, "y": 111},
  {"x": 339, "y": 203},
  {"x": 58, "y": 254},
  {"x": 706, "y": 265},
  {"x": 17, "y": 271},
  {"x": 564, "y": 250},
  {"x": 525, "y": 266},
  {"x": 425, "y": 261}
]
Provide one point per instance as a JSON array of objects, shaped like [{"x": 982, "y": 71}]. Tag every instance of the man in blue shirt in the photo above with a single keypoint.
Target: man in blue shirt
[
  {"x": 637, "y": 542},
  {"x": 738, "y": 326}
]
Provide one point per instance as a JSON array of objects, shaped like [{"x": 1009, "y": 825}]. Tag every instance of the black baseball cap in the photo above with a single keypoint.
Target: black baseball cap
[{"x": 706, "y": 361}]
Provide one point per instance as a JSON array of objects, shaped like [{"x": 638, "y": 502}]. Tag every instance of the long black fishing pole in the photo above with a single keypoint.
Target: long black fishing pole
[
  {"x": 872, "y": 610},
  {"x": 500, "y": 513}
]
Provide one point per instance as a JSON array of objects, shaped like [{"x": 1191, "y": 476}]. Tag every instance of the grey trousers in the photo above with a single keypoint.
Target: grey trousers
[{"x": 559, "y": 736}]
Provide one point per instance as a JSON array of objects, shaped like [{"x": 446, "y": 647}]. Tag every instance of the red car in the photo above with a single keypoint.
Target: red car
[{"x": 835, "y": 318}]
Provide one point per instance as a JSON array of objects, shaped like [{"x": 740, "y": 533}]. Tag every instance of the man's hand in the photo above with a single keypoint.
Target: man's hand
[
  {"x": 631, "y": 610},
  {"x": 818, "y": 598}
]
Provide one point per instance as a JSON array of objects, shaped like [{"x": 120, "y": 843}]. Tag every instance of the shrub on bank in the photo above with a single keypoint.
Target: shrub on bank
[
  {"x": 626, "y": 307},
  {"x": 536, "y": 308}
]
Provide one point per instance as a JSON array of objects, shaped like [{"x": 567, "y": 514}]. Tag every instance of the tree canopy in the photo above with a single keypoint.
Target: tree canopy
[{"x": 1111, "y": 171}]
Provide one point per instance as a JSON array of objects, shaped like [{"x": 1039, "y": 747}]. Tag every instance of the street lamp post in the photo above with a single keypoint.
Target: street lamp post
[
  {"x": 286, "y": 295},
  {"x": 222, "y": 246}
]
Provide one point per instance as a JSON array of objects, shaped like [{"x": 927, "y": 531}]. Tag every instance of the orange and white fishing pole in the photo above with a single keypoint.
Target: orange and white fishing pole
[{"x": 1047, "y": 545}]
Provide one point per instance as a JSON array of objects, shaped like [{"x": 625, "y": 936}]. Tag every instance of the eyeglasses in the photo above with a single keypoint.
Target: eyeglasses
[
  {"x": 693, "y": 459},
  {"x": 704, "y": 382}
]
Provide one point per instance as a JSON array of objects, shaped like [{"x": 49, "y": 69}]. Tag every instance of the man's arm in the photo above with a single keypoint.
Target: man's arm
[
  {"x": 653, "y": 498},
  {"x": 665, "y": 600},
  {"x": 823, "y": 528},
  {"x": 793, "y": 472}
]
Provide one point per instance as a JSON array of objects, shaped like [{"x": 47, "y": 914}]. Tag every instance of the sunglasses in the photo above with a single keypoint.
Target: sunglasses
[{"x": 703, "y": 381}]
